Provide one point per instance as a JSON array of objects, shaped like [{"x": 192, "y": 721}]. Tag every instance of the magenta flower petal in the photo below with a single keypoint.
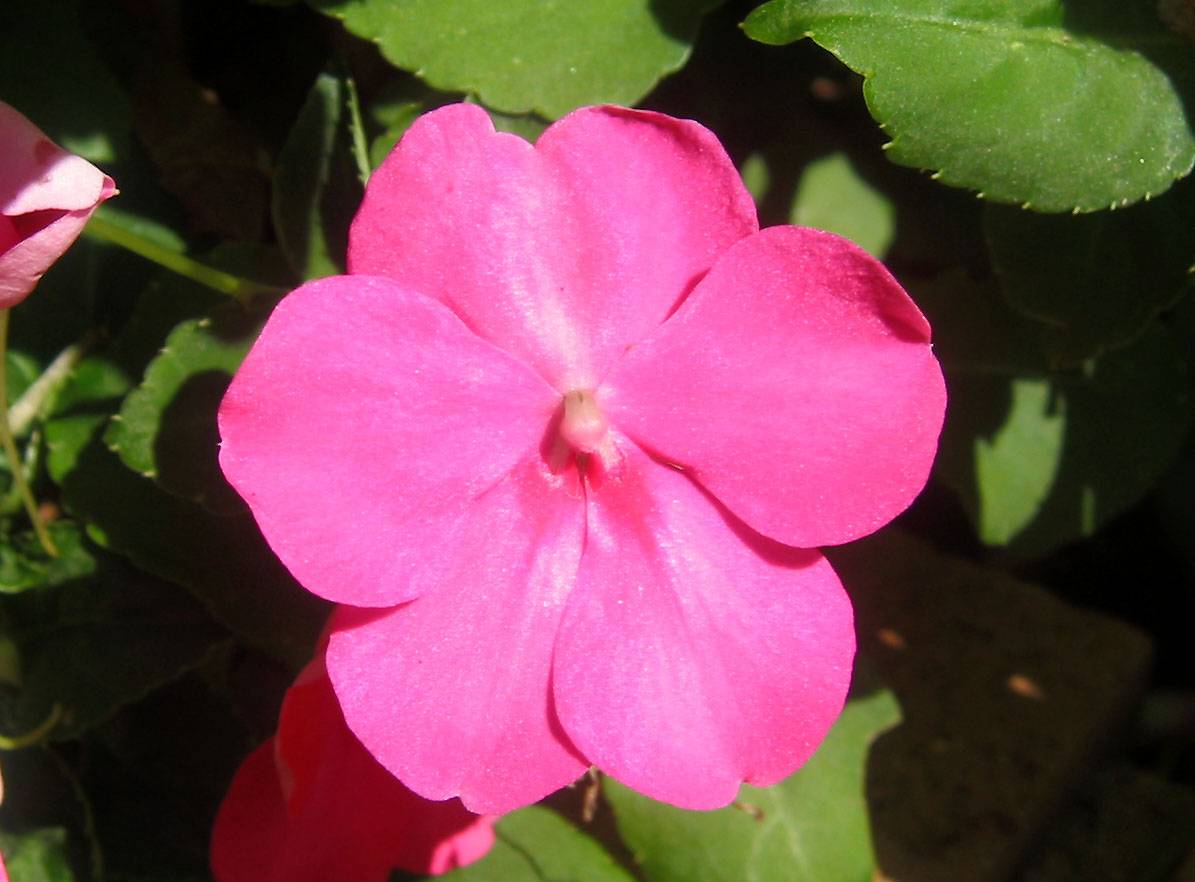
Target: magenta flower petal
[
  {"x": 695, "y": 654},
  {"x": 797, "y": 383},
  {"x": 46, "y": 197},
  {"x": 563, "y": 253},
  {"x": 450, "y": 692},
  {"x": 361, "y": 429},
  {"x": 311, "y": 805}
]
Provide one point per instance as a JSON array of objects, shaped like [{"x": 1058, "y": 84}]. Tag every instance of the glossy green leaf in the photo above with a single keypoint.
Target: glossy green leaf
[
  {"x": 1097, "y": 280},
  {"x": 536, "y": 844},
  {"x": 315, "y": 190},
  {"x": 522, "y": 55},
  {"x": 811, "y": 827},
  {"x": 1028, "y": 101},
  {"x": 166, "y": 428},
  {"x": 37, "y": 856},
  {"x": 832, "y": 196}
]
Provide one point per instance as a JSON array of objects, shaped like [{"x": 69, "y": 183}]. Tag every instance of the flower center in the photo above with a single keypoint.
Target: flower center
[{"x": 582, "y": 426}]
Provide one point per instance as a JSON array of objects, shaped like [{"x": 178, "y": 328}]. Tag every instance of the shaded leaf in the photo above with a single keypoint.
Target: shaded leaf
[
  {"x": 99, "y": 127},
  {"x": 166, "y": 428},
  {"x": 1019, "y": 100},
  {"x": 524, "y": 55},
  {"x": 1097, "y": 280},
  {"x": 315, "y": 190},
  {"x": 1119, "y": 419},
  {"x": 536, "y": 844},
  {"x": 92, "y": 645},
  {"x": 811, "y": 827},
  {"x": 832, "y": 196}
]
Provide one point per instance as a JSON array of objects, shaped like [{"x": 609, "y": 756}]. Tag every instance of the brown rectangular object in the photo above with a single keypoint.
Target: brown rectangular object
[{"x": 1008, "y": 694}]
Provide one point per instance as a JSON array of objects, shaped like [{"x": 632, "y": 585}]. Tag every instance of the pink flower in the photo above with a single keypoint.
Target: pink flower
[
  {"x": 572, "y": 427},
  {"x": 311, "y": 805},
  {"x": 46, "y": 197}
]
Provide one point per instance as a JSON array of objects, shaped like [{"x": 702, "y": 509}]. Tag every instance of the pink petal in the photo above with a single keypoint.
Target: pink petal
[
  {"x": 46, "y": 198},
  {"x": 450, "y": 692},
  {"x": 312, "y": 805},
  {"x": 562, "y": 254},
  {"x": 36, "y": 174},
  {"x": 695, "y": 654},
  {"x": 361, "y": 429},
  {"x": 797, "y": 383}
]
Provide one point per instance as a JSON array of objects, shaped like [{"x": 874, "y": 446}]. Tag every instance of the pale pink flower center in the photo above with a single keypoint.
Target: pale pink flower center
[{"x": 583, "y": 427}]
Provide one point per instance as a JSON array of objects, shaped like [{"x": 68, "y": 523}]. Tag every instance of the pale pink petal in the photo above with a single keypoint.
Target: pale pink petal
[
  {"x": 797, "y": 383},
  {"x": 36, "y": 174},
  {"x": 312, "y": 805},
  {"x": 362, "y": 428},
  {"x": 451, "y": 691},
  {"x": 562, "y": 254},
  {"x": 694, "y": 654},
  {"x": 46, "y": 198}
]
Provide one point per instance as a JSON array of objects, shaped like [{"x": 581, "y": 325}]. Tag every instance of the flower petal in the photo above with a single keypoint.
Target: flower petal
[
  {"x": 36, "y": 174},
  {"x": 362, "y": 427},
  {"x": 797, "y": 383},
  {"x": 344, "y": 817},
  {"x": 695, "y": 654},
  {"x": 562, "y": 254},
  {"x": 450, "y": 692}
]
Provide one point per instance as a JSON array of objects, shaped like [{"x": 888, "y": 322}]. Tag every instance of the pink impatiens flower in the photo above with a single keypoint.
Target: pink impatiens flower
[
  {"x": 46, "y": 197},
  {"x": 564, "y": 443},
  {"x": 311, "y": 805}
]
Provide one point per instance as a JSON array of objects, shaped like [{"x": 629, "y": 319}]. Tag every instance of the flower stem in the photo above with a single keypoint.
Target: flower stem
[
  {"x": 357, "y": 127},
  {"x": 10, "y": 449},
  {"x": 16, "y": 742},
  {"x": 242, "y": 290}
]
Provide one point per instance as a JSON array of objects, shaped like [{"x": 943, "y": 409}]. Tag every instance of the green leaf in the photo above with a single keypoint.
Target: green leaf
[
  {"x": 166, "y": 428},
  {"x": 811, "y": 827},
  {"x": 39, "y": 856},
  {"x": 1015, "y": 468},
  {"x": 24, "y": 563},
  {"x": 832, "y": 196},
  {"x": 523, "y": 55},
  {"x": 315, "y": 189},
  {"x": 535, "y": 845},
  {"x": 1097, "y": 280},
  {"x": 1043, "y": 456},
  {"x": 92, "y": 645},
  {"x": 1020, "y": 100}
]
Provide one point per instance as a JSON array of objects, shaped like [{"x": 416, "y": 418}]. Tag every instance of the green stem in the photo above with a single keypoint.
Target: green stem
[
  {"x": 10, "y": 449},
  {"x": 357, "y": 127},
  {"x": 243, "y": 290},
  {"x": 17, "y": 742}
]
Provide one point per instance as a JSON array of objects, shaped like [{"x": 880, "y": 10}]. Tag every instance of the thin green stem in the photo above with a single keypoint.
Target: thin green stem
[
  {"x": 357, "y": 127},
  {"x": 28, "y": 739},
  {"x": 242, "y": 290},
  {"x": 10, "y": 449}
]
